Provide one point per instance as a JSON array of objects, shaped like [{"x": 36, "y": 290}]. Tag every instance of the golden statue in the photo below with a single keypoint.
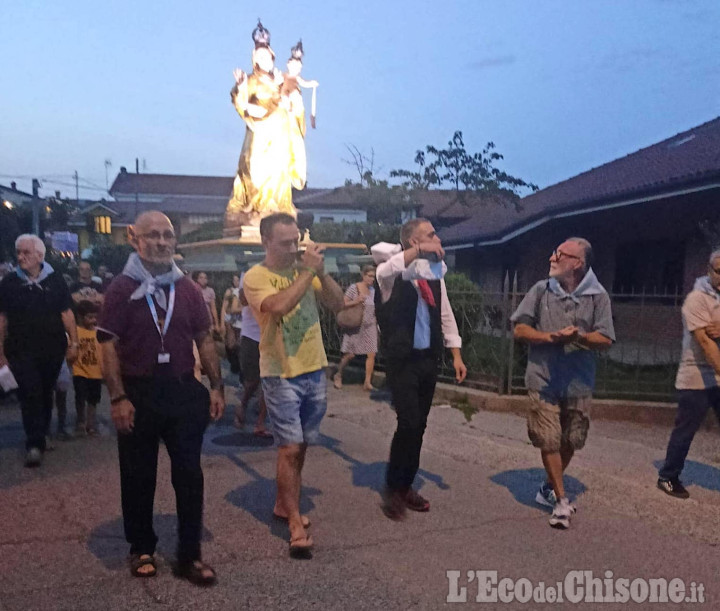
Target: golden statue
[{"x": 272, "y": 161}]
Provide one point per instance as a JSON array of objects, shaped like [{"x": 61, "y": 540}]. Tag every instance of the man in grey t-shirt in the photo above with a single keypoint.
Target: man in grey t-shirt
[
  {"x": 698, "y": 376},
  {"x": 563, "y": 319}
]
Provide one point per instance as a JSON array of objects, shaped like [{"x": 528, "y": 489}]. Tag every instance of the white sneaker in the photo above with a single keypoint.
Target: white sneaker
[
  {"x": 562, "y": 511},
  {"x": 546, "y": 495}
]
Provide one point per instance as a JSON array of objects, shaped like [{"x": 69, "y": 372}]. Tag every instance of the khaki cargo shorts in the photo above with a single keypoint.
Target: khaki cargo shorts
[{"x": 555, "y": 424}]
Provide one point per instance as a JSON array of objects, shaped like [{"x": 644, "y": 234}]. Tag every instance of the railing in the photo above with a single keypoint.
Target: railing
[{"x": 641, "y": 365}]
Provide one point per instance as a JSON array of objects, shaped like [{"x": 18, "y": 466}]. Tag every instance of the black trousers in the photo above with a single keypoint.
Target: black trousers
[
  {"x": 412, "y": 384},
  {"x": 36, "y": 376},
  {"x": 693, "y": 406},
  {"x": 176, "y": 411}
]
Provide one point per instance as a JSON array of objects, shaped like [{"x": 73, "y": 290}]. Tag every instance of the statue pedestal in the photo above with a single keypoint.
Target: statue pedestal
[{"x": 250, "y": 233}]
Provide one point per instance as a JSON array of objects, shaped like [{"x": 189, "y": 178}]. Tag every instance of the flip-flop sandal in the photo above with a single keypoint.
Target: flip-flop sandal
[
  {"x": 337, "y": 382},
  {"x": 263, "y": 434},
  {"x": 139, "y": 560},
  {"x": 194, "y": 572},
  {"x": 299, "y": 551},
  {"x": 305, "y": 520}
]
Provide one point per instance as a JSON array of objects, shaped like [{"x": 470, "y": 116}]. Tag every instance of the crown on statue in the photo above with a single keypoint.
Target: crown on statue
[
  {"x": 261, "y": 36},
  {"x": 297, "y": 51}
]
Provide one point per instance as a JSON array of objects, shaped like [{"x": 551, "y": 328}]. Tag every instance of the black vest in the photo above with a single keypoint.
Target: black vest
[{"x": 396, "y": 318}]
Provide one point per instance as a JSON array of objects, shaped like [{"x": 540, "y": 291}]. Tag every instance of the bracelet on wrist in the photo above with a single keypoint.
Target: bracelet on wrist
[
  {"x": 217, "y": 385},
  {"x": 118, "y": 399}
]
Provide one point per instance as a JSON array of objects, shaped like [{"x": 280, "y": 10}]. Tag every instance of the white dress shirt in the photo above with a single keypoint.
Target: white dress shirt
[{"x": 386, "y": 274}]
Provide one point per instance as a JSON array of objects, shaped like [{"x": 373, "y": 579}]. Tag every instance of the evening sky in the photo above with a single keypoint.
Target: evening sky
[{"x": 559, "y": 86}]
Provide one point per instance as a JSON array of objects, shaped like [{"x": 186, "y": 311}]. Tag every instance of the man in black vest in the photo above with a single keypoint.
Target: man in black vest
[{"x": 415, "y": 321}]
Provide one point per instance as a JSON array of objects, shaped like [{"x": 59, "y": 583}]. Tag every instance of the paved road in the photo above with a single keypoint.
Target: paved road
[{"x": 61, "y": 542}]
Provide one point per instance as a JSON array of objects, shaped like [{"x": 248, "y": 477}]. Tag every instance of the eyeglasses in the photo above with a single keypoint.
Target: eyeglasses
[
  {"x": 559, "y": 254},
  {"x": 156, "y": 235},
  {"x": 717, "y": 271}
]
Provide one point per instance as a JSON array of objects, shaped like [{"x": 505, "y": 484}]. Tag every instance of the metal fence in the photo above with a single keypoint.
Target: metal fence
[{"x": 641, "y": 365}]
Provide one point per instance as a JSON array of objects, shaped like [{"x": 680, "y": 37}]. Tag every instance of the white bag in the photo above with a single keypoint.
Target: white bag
[
  {"x": 7, "y": 379},
  {"x": 64, "y": 379}
]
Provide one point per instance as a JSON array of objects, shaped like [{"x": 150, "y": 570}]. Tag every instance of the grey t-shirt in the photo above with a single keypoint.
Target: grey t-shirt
[
  {"x": 563, "y": 371},
  {"x": 694, "y": 372}
]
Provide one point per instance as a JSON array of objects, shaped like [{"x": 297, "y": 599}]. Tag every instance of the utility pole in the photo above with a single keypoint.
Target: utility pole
[
  {"x": 137, "y": 171},
  {"x": 36, "y": 206},
  {"x": 77, "y": 188}
]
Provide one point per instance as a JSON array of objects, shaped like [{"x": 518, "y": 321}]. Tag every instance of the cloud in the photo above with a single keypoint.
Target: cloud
[{"x": 491, "y": 62}]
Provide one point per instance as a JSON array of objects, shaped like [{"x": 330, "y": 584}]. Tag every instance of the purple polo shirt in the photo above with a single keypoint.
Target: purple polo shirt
[{"x": 138, "y": 342}]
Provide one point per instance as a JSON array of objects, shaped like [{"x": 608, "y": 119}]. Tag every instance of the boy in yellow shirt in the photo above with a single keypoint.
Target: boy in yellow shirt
[{"x": 87, "y": 375}]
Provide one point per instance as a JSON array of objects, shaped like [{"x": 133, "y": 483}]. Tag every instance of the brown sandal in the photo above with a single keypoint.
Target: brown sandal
[
  {"x": 301, "y": 547},
  {"x": 195, "y": 573},
  {"x": 137, "y": 561},
  {"x": 305, "y": 519}
]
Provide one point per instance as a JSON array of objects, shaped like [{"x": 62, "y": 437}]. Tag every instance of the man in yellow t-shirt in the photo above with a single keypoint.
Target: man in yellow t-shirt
[
  {"x": 282, "y": 292},
  {"x": 87, "y": 375}
]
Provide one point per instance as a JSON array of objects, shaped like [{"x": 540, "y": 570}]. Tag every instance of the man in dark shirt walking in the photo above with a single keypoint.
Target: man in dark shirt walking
[
  {"x": 36, "y": 322},
  {"x": 151, "y": 315}
]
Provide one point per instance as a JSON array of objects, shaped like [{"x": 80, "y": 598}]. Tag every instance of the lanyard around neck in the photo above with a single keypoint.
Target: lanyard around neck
[{"x": 171, "y": 307}]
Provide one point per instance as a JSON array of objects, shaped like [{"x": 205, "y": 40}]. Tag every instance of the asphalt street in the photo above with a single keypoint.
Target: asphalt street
[{"x": 62, "y": 545}]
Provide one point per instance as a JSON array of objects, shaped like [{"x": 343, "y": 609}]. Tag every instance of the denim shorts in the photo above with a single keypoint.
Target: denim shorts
[{"x": 296, "y": 406}]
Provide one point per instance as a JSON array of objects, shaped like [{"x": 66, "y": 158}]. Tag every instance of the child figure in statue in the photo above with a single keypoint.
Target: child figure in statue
[{"x": 292, "y": 81}]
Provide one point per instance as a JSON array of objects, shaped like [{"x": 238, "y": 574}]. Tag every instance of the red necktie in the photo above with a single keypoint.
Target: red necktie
[{"x": 426, "y": 293}]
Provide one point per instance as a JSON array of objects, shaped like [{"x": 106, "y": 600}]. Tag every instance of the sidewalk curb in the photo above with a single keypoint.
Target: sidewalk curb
[{"x": 637, "y": 412}]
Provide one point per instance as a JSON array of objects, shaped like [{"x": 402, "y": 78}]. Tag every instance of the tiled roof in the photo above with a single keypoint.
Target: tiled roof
[
  {"x": 447, "y": 205},
  {"x": 127, "y": 211},
  {"x": 687, "y": 159},
  {"x": 340, "y": 197},
  {"x": 15, "y": 191},
  {"x": 176, "y": 185},
  {"x": 127, "y": 183}
]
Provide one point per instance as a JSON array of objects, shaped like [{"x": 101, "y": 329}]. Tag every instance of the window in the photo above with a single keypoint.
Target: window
[
  {"x": 327, "y": 219},
  {"x": 655, "y": 266},
  {"x": 103, "y": 224}
]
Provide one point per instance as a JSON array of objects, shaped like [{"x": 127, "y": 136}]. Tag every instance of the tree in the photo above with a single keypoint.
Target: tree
[
  {"x": 59, "y": 213},
  {"x": 384, "y": 203},
  {"x": 212, "y": 230},
  {"x": 462, "y": 171},
  {"x": 114, "y": 256},
  {"x": 9, "y": 231},
  {"x": 364, "y": 165}
]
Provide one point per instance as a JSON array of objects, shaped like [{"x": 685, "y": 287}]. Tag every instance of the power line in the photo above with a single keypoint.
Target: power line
[
  {"x": 72, "y": 184},
  {"x": 49, "y": 179}
]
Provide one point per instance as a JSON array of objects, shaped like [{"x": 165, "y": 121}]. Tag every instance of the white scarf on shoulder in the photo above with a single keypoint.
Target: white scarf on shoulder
[{"x": 149, "y": 284}]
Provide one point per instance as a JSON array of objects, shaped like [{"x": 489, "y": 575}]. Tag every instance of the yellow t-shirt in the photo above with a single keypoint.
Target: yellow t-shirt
[
  {"x": 292, "y": 344},
  {"x": 87, "y": 364}
]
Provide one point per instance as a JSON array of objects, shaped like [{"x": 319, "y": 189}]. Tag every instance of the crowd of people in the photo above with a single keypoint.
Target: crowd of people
[{"x": 149, "y": 330}]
